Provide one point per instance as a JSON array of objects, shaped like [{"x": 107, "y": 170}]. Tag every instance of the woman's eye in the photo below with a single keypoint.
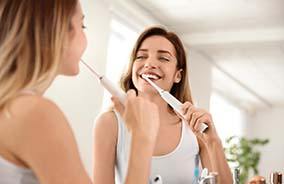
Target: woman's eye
[
  {"x": 164, "y": 59},
  {"x": 140, "y": 57},
  {"x": 84, "y": 27}
]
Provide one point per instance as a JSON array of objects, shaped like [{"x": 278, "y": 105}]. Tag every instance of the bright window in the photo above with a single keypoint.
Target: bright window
[
  {"x": 121, "y": 42},
  {"x": 228, "y": 119}
]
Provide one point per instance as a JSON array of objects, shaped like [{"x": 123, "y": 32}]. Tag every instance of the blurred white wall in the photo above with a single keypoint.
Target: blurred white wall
[
  {"x": 200, "y": 71},
  {"x": 269, "y": 124},
  {"x": 80, "y": 97}
]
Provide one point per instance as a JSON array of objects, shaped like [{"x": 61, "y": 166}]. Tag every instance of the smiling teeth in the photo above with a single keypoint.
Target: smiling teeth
[{"x": 150, "y": 76}]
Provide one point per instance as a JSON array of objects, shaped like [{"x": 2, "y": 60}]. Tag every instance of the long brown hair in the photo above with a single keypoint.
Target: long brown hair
[
  {"x": 180, "y": 90},
  {"x": 32, "y": 38}
]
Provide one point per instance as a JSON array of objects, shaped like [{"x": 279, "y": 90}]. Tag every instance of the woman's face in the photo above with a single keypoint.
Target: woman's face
[
  {"x": 156, "y": 58},
  {"x": 76, "y": 45}
]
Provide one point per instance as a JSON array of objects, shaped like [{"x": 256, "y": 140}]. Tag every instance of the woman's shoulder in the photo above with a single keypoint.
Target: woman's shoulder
[
  {"x": 33, "y": 107},
  {"x": 106, "y": 124},
  {"x": 33, "y": 112},
  {"x": 34, "y": 119},
  {"x": 107, "y": 118}
]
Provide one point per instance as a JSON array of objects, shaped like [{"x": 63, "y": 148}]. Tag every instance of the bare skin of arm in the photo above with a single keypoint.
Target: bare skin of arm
[
  {"x": 42, "y": 139},
  {"x": 105, "y": 139},
  {"x": 211, "y": 149},
  {"x": 143, "y": 126}
]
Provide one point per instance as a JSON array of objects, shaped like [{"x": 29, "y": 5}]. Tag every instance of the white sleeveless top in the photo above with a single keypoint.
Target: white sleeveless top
[
  {"x": 176, "y": 167},
  {"x": 12, "y": 174}
]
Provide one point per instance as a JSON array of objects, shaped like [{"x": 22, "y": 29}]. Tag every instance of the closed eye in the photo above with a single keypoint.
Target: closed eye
[
  {"x": 140, "y": 57},
  {"x": 164, "y": 59}
]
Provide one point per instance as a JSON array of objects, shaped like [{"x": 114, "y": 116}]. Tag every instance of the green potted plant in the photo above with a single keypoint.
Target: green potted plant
[{"x": 241, "y": 152}]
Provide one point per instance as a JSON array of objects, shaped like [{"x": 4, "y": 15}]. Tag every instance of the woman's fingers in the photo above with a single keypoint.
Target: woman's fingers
[
  {"x": 131, "y": 94},
  {"x": 202, "y": 118},
  {"x": 193, "y": 116},
  {"x": 185, "y": 106},
  {"x": 140, "y": 115},
  {"x": 189, "y": 112}
]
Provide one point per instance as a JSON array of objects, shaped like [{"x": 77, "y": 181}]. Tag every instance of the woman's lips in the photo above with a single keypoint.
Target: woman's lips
[{"x": 152, "y": 76}]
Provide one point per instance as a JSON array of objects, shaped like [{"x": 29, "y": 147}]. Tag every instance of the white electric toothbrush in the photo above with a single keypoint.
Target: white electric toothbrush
[
  {"x": 109, "y": 86},
  {"x": 172, "y": 101}
]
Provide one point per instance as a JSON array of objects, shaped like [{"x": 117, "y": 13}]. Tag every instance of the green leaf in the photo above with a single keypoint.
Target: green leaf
[{"x": 243, "y": 152}]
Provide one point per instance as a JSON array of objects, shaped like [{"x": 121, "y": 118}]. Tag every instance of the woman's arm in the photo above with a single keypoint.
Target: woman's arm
[
  {"x": 213, "y": 158},
  {"x": 142, "y": 120},
  {"x": 105, "y": 140},
  {"x": 215, "y": 155},
  {"x": 140, "y": 160},
  {"x": 42, "y": 138},
  {"x": 211, "y": 149}
]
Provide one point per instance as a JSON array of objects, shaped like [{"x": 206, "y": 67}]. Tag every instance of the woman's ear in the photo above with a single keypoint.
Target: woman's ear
[{"x": 178, "y": 76}]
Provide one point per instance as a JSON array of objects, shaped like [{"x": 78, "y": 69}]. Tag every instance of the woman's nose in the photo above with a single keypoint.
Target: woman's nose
[{"x": 150, "y": 63}]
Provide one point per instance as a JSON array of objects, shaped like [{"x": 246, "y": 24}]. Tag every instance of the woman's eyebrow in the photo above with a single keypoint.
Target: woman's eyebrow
[
  {"x": 143, "y": 50},
  {"x": 164, "y": 51}
]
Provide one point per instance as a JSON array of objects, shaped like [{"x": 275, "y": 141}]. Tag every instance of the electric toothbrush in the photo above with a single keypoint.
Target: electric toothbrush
[
  {"x": 172, "y": 101},
  {"x": 108, "y": 85},
  {"x": 112, "y": 89}
]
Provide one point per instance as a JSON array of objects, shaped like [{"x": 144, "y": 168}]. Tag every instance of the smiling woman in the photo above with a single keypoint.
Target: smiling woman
[
  {"x": 155, "y": 49},
  {"x": 167, "y": 48},
  {"x": 160, "y": 55},
  {"x": 39, "y": 40}
]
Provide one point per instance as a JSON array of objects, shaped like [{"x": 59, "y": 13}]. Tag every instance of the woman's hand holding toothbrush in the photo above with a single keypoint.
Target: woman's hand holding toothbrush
[
  {"x": 211, "y": 149},
  {"x": 141, "y": 116},
  {"x": 142, "y": 120},
  {"x": 195, "y": 116}
]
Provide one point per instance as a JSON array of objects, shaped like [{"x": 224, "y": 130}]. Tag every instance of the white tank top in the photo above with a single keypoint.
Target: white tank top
[
  {"x": 13, "y": 174},
  {"x": 175, "y": 167}
]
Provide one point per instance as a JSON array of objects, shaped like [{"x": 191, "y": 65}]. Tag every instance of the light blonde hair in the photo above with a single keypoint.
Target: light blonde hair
[
  {"x": 180, "y": 90},
  {"x": 32, "y": 38}
]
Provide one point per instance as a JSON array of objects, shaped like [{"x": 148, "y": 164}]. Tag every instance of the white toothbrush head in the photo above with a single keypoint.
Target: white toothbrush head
[
  {"x": 144, "y": 76},
  {"x": 171, "y": 100}
]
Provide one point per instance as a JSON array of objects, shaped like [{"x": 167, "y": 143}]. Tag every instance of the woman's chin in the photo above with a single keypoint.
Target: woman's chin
[
  {"x": 72, "y": 72},
  {"x": 147, "y": 89}
]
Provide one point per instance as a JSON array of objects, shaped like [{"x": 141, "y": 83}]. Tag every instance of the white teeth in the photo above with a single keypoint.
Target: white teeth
[{"x": 151, "y": 76}]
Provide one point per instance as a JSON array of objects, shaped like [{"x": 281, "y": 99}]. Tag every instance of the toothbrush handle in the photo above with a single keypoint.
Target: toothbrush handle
[
  {"x": 176, "y": 105},
  {"x": 172, "y": 101},
  {"x": 113, "y": 90}
]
